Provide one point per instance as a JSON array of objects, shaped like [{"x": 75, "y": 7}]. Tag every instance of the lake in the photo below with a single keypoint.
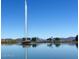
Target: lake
[{"x": 40, "y": 51}]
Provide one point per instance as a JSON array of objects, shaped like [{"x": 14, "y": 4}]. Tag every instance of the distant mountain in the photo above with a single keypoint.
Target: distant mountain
[{"x": 69, "y": 38}]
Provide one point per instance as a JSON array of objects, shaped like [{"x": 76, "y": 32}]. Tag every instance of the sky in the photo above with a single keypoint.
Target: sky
[
  {"x": 52, "y": 18},
  {"x": 42, "y": 18},
  {"x": 13, "y": 18}
]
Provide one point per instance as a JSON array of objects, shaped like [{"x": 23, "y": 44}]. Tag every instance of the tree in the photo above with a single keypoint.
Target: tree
[
  {"x": 28, "y": 38},
  {"x": 76, "y": 38},
  {"x": 34, "y": 39},
  {"x": 57, "y": 40},
  {"x": 23, "y": 39},
  {"x": 49, "y": 39}
]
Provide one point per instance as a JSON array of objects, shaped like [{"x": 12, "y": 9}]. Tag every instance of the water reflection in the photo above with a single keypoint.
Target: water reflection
[
  {"x": 76, "y": 45},
  {"x": 40, "y": 51},
  {"x": 34, "y": 45},
  {"x": 57, "y": 45},
  {"x": 48, "y": 45}
]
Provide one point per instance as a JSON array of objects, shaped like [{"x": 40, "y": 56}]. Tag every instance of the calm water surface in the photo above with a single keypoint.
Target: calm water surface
[{"x": 40, "y": 51}]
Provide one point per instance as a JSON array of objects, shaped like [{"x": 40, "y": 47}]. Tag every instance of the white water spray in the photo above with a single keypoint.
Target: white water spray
[
  {"x": 25, "y": 18},
  {"x": 26, "y": 30}
]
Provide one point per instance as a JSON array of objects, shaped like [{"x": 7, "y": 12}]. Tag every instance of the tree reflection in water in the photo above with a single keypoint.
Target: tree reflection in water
[
  {"x": 34, "y": 45},
  {"x": 57, "y": 44},
  {"x": 76, "y": 45},
  {"x": 48, "y": 44}
]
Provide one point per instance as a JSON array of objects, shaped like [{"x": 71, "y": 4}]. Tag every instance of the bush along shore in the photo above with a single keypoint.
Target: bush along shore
[{"x": 38, "y": 40}]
